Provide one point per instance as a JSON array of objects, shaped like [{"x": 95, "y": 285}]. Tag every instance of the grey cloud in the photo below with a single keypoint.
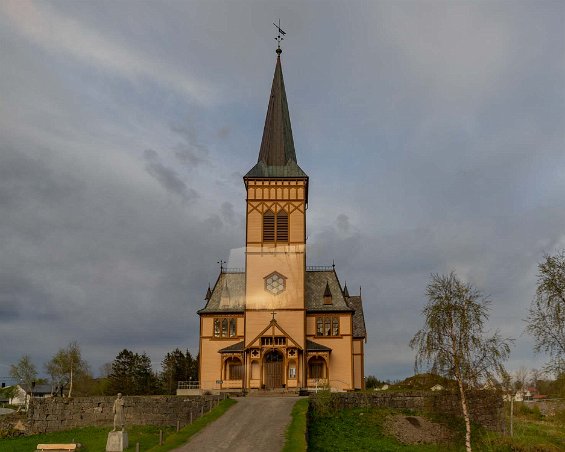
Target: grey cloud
[
  {"x": 224, "y": 132},
  {"x": 190, "y": 151},
  {"x": 228, "y": 213},
  {"x": 167, "y": 177},
  {"x": 442, "y": 153}
]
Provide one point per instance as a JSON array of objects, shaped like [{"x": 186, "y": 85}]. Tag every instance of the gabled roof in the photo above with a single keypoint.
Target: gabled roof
[
  {"x": 359, "y": 330},
  {"x": 312, "y": 346},
  {"x": 235, "y": 348},
  {"x": 273, "y": 325},
  {"x": 228, "y": 295},
  {"x": 38, "y": 389},
  {"x": 316, "y": 284},
  {"x": 277, "y": 157}
]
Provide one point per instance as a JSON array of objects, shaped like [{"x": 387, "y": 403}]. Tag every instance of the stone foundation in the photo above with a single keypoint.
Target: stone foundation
[
  {"x": 53, "y": 414},
  {"x": 486, "y": 407}
]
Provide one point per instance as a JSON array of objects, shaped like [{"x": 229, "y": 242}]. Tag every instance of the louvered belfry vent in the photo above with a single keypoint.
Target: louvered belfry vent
[
  {"x": 268, "y": 227},
  {"x": 282, "y": 226}
]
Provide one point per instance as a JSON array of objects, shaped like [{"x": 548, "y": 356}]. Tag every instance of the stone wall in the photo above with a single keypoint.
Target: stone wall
[
  {"x": 53, "y": 414},
  {"x": 485, "y": 406}
]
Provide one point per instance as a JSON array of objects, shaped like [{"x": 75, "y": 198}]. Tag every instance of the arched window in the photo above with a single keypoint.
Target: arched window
[
  {"x": 233, "y": 369},
  {"x": 269, "y": 226},
  {"x": 317, "y": 368},
  {"x": 233, "y": 327},
  {"x": 224, "y": 327},
  {"x": 275, "y": 227}
]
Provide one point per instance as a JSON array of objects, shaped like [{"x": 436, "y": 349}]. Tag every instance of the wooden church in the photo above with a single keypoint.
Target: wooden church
[{"x": 279, "y": 323}]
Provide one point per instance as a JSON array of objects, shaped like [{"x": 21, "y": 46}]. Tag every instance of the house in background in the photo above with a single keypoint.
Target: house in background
[{"x": 24, "y": 393}]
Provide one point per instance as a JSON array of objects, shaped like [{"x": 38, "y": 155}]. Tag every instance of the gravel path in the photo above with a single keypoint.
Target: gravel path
[{"x": 253, "y": 424}]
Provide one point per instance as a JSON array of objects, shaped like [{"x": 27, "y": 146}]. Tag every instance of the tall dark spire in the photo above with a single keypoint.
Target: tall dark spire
[
  {"x": 277, "y": 146},
  {"x": 277, "y": 157}
]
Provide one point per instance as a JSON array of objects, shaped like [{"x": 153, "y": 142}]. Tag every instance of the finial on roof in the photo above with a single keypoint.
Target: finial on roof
[
  {"x": 221, "y": 262},
  {"x": 208, "y": 293},
  {"x": 279, "y": 38},
  {"x": 345, "y": 291},
  {"x": 327, "y": 294},
  {"x": 333, "y": 264}
]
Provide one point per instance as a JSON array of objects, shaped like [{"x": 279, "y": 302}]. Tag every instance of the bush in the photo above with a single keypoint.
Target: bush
[
  {"x": 322, "y": 403},
  {"x": 533, "y": 412}
]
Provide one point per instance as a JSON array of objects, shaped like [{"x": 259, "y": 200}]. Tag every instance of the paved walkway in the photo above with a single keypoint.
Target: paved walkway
[{"x": 253, "y": 424}]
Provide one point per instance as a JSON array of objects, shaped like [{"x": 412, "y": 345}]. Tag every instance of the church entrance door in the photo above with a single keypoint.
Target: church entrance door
[{"x": 273, "y": 370}]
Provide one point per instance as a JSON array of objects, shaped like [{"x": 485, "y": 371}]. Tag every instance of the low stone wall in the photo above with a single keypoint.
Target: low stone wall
[
  {"x": 485, "y": 406},
  {"x": 53, "y": 414},
  {"x": 547, "y": 407}
]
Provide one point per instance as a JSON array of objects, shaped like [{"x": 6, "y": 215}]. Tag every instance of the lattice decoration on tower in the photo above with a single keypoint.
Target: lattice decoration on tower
[{"x": 275, "y": 283}]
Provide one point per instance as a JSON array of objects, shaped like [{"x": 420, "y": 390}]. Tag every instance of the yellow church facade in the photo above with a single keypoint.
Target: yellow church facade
[{"x": 277, "y": 323}]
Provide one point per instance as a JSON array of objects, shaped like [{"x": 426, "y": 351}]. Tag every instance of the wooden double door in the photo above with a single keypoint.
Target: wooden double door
[{"x": 273, "y": 367}]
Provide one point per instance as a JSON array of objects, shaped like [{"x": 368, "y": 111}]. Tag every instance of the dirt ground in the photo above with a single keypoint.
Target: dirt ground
[
  {"x": 417, "y": 430},
  {"x": 253, "y": 424}
]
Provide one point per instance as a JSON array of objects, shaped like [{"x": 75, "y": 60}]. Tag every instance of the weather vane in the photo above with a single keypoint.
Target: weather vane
[{"x": 279, "y": 38}]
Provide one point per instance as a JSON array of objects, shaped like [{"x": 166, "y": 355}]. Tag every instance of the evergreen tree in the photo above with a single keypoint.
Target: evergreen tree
[
  {"x": 177, "y": 366},
  {"x": 132, "y": 374}
]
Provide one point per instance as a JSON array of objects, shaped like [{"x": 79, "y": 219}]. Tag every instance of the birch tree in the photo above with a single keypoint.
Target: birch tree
[
  {"x": 24, "y": 372},
  {"x": 453, "y": 341},
  {"x": 546, "y": 316},
  {"x": 66, "y": 365}
]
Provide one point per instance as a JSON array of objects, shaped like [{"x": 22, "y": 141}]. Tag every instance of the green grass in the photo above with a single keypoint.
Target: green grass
[
  {"x": 93, "y": 439},
  {"x": 296, "y": 431},
  {"x": 361, "y": 429},
  {"x": 357, "y": 429},
  {"x": 178, "y": 439}
]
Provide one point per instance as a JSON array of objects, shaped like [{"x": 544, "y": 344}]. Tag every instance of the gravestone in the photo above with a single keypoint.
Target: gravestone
[{"x": 117, "y": 441}]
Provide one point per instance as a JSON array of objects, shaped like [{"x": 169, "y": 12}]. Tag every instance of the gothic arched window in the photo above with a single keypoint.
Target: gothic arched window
[
  {"x": 282, "y": 226},
  {"x": 269, "y": 226},
  {"x": 275, "y": 227}
]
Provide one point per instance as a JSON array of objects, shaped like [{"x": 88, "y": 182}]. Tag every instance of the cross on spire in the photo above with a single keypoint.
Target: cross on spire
[
  {"x": 279, "y": 38},
  {"x": 274, "y": 313}
]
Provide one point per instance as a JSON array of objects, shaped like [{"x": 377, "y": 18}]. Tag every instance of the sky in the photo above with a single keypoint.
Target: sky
[{"x": 433, "y": 134}]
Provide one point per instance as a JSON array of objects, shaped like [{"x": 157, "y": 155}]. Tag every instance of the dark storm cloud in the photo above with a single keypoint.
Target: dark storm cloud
[
  {"x": 190, "y": 151},
  {"x": 432, "y": 134},
  {"x": 167, "y": 177}
]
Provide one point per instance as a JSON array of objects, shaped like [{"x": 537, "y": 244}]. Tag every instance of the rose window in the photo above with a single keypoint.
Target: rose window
[{"x": 275, "y": 283}]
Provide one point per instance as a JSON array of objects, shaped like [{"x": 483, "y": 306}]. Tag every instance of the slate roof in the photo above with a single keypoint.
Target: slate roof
[
  {"x": 312, "y": 346},
  {"x": 277, "y": 157},
  {"x": 235, "y": 348},
  {"x": 38, "y": 389},
  {"x": 359, "y": 330},
  {"x": 316, "y": 282},
  {"x": 228, "y": 294}
]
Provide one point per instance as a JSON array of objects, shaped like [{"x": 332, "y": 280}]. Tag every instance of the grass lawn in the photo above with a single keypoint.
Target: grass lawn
[
  {"x": 296, "y": 431},
  {"x": 93, "y": 439},
  {"x": 361, "y": 429},
  {"x": 357, "y": 429}
]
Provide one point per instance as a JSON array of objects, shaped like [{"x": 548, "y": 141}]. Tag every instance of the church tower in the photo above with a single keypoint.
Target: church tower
[
  {"x": 278, "y": 324},
  {"x": 277, "y": 197}
]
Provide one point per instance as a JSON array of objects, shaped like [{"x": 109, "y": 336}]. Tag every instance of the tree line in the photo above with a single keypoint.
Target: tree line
[{"x": 130, "y": 373}]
